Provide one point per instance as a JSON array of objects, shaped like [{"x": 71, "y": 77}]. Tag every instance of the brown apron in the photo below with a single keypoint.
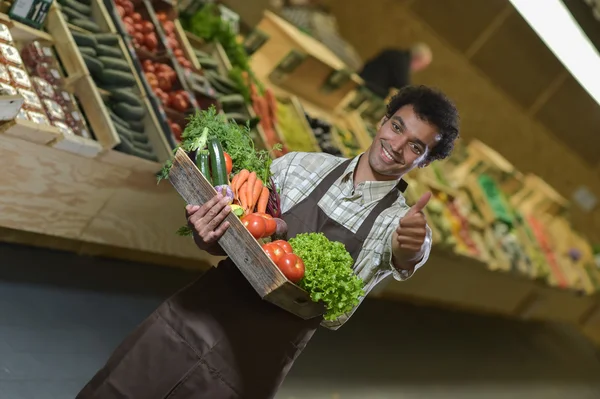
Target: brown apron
[{"x": 216, "y": 338}]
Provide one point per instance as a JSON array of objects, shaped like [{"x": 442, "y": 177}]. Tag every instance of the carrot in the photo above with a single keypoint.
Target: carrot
[
  {"x": 263, "y": 200},
  {"x": 242, "y": 197},
  {"x": 250, "y": 189},
  {"x": 272, "y": 104},
  {"x": 233, "y": 181},
  {"x": 243, "y": 176},
  {"x": 256, "y": 190}
]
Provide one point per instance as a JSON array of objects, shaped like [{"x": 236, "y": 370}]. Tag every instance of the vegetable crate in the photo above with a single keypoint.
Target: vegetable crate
[{"x": 242, "y": 247}]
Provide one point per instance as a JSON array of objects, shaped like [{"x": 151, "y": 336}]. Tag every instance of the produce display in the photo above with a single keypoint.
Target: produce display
[
  {"x": 168, "y": 27},
  {"x": 36, "y": 75},
  {"x": 292, "y": 128},
  {"x": 322, "y": 132},
  {"x": 104, "y": 58}
]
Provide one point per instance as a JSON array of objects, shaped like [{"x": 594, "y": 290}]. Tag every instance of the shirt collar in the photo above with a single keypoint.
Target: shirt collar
[{"x": 372, "y": 190}]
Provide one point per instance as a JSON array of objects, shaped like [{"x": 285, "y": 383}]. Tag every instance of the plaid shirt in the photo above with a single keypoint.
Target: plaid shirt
[{"x": 297, "y": 174}]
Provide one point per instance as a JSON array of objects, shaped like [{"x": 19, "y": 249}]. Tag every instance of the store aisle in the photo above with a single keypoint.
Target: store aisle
[{"x": 61, "y": 315}]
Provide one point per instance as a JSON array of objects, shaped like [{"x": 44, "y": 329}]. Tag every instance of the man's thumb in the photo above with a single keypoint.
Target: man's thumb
[{"x": 420, "y": 205}]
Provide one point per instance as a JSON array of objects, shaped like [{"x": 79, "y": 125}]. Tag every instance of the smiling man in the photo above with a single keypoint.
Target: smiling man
[{"x": 216, "y": 338}]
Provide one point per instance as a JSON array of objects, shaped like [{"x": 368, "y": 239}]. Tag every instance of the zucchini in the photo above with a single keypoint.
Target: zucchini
[
  {"x": 231, "y": 100},
  {"x": 120, "y": 78},
  {"x": 145, "y": 146},
  {"x": 96, "y": 68},
  {"x": 134, "y": 137},
  {"x": 126, "y": 96},
  {"x": 109, "y": 39},
  {"x": 119, "y": 123},
  {"x": 125, "y": 145},
  {"x": 129, "y": 112},
  {"x": 224, "y": 81},
  {"x": 72, "y": 14},
  {"x": 86, "y": 24},
  {"x": 217, "y": 163},
  {"x": 89, "y": 51},
  {"x": 77, "y": 6},
  {"x": 117, "y": 64},
  {"x": 108, "y": 51},
  {"x": 84, "y": 40},
  {"x": 202, "y": 160}
]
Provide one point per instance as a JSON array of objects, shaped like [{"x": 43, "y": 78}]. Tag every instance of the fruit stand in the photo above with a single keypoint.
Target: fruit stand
[{"x": 109, "y": 87}]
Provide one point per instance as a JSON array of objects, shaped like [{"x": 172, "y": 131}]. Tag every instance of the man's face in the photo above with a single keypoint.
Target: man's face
[{"x": 401, "y": 144}]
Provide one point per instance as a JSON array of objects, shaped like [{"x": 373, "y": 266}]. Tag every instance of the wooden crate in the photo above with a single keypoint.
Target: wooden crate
[{"x": 242, "y": 248}]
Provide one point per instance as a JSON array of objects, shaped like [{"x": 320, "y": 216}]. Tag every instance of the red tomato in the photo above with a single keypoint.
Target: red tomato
[
  {"x": 271, "y": 223},
  {"x": 130, "y": 29},
  {"x": 273, "y": 251},
  {"x": 138, "y": 27},
  {"x": 255, "y": 224},
  {"x": 128, "y": 6},
  {"x": 149, "y": 66},
  {"x": 121, "y": 11},
  {"x": 178, "y": 103},
  {"x": 151, "y": 42},
  {"x": 178, "y": 52},
  {"x": 128, "y": 21},
  {"x": 176, "y": 129},
  {"x": 162, "y": 16},
  {"x": 285, "y": 246},
  {"x": 136, "y": 16},
  {"x": 139, "y": 36},
  {"x": 147, "y": 27},
  {"x": 292, "y": 267},
  {"x": 228, "y": 163},
  {"x": 164, "y": 82},
  {"x": 169, "y": 27}
]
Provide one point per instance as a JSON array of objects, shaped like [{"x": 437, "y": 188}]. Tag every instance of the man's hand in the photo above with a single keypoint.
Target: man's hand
[
  {"x": 409, "y": 237},
  {"x": 207, "y": 223}
]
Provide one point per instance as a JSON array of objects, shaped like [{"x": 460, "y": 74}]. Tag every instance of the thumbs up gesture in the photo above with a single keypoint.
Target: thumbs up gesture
[{"x": 412, "y": 229}]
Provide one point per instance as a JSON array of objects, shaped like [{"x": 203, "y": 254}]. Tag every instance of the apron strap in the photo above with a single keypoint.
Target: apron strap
[{"x": 384, "y": 203}]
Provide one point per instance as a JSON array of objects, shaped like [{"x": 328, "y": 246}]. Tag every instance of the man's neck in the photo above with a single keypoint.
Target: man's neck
[{"x": 364, "y": 173}]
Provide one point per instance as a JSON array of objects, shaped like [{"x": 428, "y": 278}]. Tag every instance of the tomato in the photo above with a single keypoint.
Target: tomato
[
  {"x": 139, "y": 36},
  {"x": 162, "y": 16},
  {"x": 163, "y": 81},
  {"x": 285, "y": 246},
  {"x": 152, "y": 79},
  {"x": 169, "y": 27},
  {"x": 255, "y": 224},
  {"x": 147, "y": 27},
  {"x": 228, "y": 163},
  {"x": 128, "y": 6},
  {"x": 149, "y": 67},
  {"x": 136, "y": 16},
  {"x": 121, "y": 11},
  {"x": 178, "y": 102},
  {"x": 128, "y": 21},
  {"x": 178, "y": 52},
  {"x": 151, "y": 41},
  {"x": 271, "y": 223},
  {"x": 176, "y": 129},
  {"x": 273, "y": 251},
  {"x": 292, "y": 267},
  {"x": 138, "y": 27},
  {"x": 130, "y": 29}
]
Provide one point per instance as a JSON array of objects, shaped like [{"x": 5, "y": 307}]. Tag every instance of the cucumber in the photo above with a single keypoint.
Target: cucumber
[
  {"x": 109, "y": 39},
  {"x": 137, "y": 126},
  {"x": 86, "y": 24},
  {"x": 132, "y": 136},
  {"x": 208, "y": 63},
  {"x": 119, "y": 123},
  {"x": 231, "y": 100},
  {"x": 125, "y": 145},
  {"x": 84, "y": 40},
  {"x": 115, "y": 63},
  {"x": 89, "y": 51},
  {"x": 126, "y": 96},
  {"x": 108, "y": 51},
  {"x": 129, "y": 112},
  {"x": 224, "y": 81},
  {"x": 202, "y": 160},
  {"x": 143, "y": 146},
  {"x": 112, "y": 77},
  {"x": 217, "y": 163},
  {"x": 96, "y": 68},
  {"x": 72, "y": 14},
  {"x": 77, "y": 6}
]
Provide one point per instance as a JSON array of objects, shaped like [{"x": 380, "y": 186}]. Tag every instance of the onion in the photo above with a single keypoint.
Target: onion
[{"x": 225, "y": 191}]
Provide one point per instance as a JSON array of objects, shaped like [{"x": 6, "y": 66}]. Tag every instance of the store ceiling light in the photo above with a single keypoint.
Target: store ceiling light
[{"x": 557, "y": 28}]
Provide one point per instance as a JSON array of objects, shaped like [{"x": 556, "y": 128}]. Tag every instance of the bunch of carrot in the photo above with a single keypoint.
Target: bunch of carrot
[{"x": 250, "y": 192}]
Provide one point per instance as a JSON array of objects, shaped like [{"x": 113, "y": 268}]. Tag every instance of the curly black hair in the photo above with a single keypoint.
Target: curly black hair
[{"x": 431, "y": 106}]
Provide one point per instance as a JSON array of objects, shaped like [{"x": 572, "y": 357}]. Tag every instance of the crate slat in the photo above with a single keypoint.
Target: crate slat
[{"x": 242, "y": 248}]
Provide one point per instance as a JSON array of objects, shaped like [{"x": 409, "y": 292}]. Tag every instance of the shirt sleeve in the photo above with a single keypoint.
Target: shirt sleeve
[
  {"x": 403, "y": 274},
  {"x": 280, "y": 167}
]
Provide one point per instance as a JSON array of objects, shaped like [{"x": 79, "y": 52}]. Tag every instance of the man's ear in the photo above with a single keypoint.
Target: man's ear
[{"x": 425, "y": 163}]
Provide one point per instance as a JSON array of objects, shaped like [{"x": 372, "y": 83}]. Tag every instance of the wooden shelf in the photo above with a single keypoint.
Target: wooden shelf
[
  {"x": 23, "y": 33},
  {"x": 30, "y": 131}
]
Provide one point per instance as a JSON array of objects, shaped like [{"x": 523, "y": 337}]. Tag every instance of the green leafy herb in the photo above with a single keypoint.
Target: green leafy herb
[
  {"x": 184, "y": 231},
  {"x": 328, "y": 276}
]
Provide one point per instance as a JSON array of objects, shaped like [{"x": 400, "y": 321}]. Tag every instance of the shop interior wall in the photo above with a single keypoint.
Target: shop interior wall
[
  {"x": 61, "y": 315},
  {"x": 512, "y": 92}
]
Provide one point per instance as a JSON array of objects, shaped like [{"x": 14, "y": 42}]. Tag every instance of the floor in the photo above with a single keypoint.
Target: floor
[{"x": 61, "y": 315}]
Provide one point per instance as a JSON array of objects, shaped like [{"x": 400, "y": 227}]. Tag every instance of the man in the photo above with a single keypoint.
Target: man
[
  {"x": 391, "y": 68},
  {"x": 217, "y": 339}
]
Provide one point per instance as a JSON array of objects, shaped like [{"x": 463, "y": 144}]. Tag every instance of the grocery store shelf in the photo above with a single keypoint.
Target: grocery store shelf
[
  {"x": 22, "y": 32},
  {"x": 30, "y": 131}
]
